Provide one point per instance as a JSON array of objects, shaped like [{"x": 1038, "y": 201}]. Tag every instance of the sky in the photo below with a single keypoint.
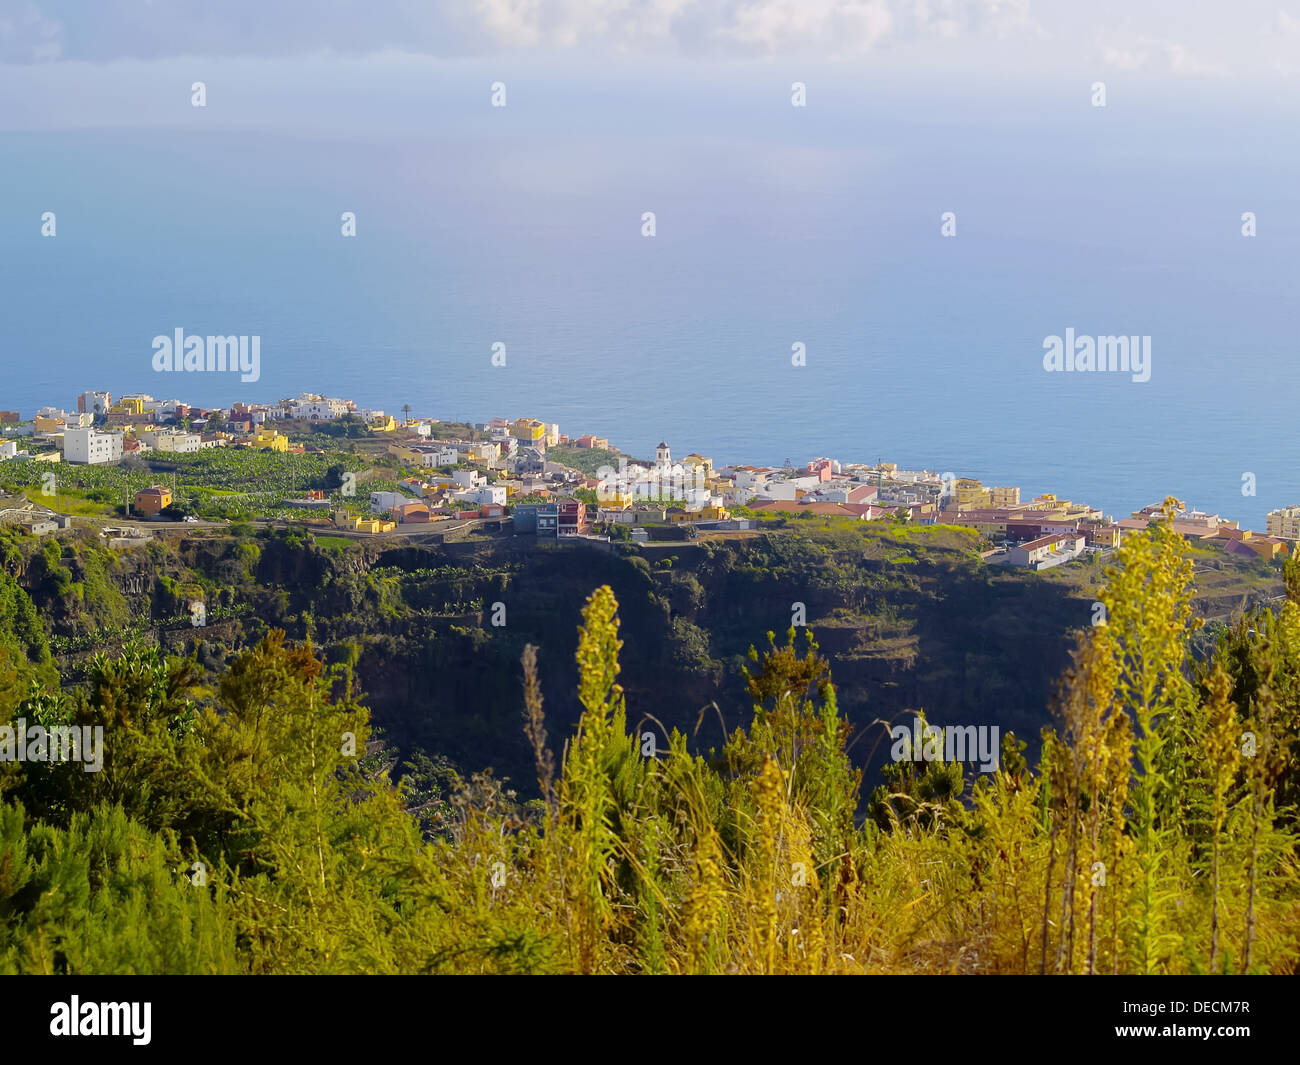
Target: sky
[
  {"x": 1248, "y": 41},
  {"x": 1208, "y": 38},
  {"x": 357, "y": 68}
]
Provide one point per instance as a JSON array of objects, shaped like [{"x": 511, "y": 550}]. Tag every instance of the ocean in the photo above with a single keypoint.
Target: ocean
[{"x": 922, "y": 349}]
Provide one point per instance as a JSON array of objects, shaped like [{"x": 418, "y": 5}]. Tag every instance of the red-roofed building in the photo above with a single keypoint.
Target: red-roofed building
[{"x": 409, "y": 513}]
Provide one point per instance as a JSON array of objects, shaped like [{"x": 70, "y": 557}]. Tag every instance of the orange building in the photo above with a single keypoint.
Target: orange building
[{"x": 151, "y": 501}]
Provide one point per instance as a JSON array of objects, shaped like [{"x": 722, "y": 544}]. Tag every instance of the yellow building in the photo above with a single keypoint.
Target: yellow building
[
  {"x": 1103, "y": 535},
  {"x": 970, "y": 494},
  {"x": 712, "y": 513},
  {"x": 614, "y": 497},
  {"x": 990, "y": 530},
  {"x": 405, "y": 452},
  {"x": 129, "y": 406},
  {"x": 1004, "y": 497},
  {"x": 387, "y": 424},
  {"x": 1048, "y": 507},
  {"x": 1268, "y": 547},
  {"x": 344, "y": 519},
  {"x": 48, "y": 425},
  {"x": 699, "y": 462},
  {"x": 270, "y": 440},
  {"x": 529, "y": 431}
]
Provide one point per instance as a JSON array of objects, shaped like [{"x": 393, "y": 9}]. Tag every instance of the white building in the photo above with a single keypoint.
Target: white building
[
  {"x": 91, "y": 447},
  {"x": 8, "y": 449},
  {"x": 382, "y": 501},
  {"x": 75, "y": 419},
  {"x": 426, "y": 455},
  {"x": 469, "y": 479},
  {"x": 787, "y": 488},
  {"x": 94, "y": 402},
  {"x": 487, "y": 494},
  {"x": 317, "y": 408},
  {"x": 1046, "y": 551},
  {"x": 179, "y": 443}
]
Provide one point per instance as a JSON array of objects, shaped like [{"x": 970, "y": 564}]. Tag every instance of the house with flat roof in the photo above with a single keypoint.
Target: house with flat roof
[{"x": 1046, "y": 551}]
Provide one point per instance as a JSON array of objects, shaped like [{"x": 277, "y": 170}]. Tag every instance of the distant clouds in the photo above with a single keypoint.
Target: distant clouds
[
  {"x": 34, "y": 30},
  {"x": 1161, "y": 56},
  {"x": 1188, "y": 37}
]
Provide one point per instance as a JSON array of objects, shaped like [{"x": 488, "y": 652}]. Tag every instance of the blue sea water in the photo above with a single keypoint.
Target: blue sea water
[{"x": 921, "y": 349}]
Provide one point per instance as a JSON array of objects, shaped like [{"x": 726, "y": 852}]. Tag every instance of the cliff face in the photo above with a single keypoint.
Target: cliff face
[{"x": 908, "y": 623}]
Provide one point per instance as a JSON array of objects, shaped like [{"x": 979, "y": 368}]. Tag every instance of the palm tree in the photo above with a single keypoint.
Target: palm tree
[{"x": 406, "y": 410}]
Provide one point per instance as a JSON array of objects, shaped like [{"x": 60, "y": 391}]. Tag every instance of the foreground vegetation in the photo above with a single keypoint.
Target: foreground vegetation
[{"x": 245, "y": 828}]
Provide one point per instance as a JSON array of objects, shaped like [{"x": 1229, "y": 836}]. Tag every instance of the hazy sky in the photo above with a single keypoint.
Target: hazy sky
[
  {"x": 1244, "y": 38},
  {"x": 399, "y": 66}
]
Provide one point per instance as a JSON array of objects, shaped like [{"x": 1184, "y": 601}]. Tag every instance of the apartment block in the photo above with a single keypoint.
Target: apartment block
[
  {"x": 1284, "y": 522},
  {"x": 94, "y": 403},
  {"x": 91, "y": 447}
]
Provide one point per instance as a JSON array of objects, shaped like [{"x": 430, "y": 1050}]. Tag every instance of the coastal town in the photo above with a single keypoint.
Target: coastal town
[{"x": 348, "y": 470}]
